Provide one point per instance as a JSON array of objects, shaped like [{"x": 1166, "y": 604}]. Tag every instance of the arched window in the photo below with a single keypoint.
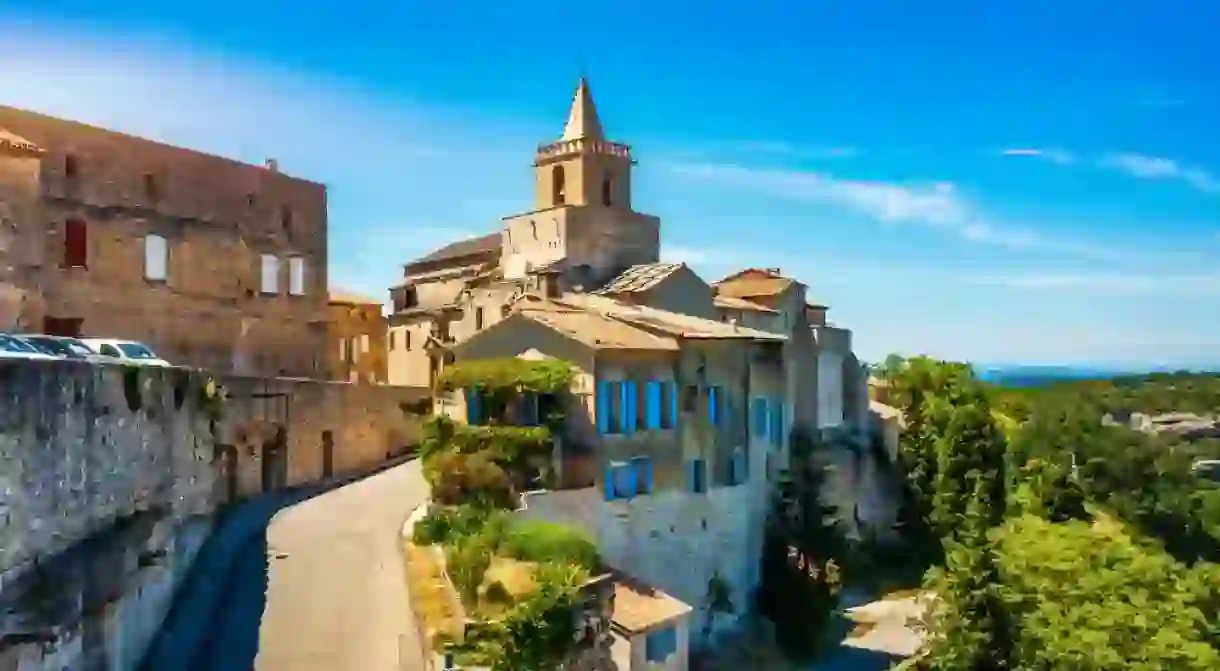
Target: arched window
[
  {"x": 607, "y": 188},
  {"x": 557, "y": 185}
]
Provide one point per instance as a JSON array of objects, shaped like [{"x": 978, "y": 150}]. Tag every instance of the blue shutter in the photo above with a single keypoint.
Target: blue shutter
[
  {"x": 474, "y": 406},
  {"x": 608, "y": 483},
  {"x": 713, "y": 405},
  {"x": 652, "y": 404},
  {"x": 760, "y": 417},
  {"x": 626, "y": 413},
  {"x": 742, "y": 471},
  {"x": 643, "y": 474},
  {"x": 604, "y": 389}
]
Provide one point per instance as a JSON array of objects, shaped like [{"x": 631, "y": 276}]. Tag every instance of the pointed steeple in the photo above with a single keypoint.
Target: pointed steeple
[{"x": 582, "y": 118}]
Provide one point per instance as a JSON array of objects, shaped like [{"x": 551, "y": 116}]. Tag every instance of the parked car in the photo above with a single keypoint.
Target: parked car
[
  {"x": 125, "y": 351},
  {"x": 15, "y": 348},
  {"x": 60, "y": 346}
]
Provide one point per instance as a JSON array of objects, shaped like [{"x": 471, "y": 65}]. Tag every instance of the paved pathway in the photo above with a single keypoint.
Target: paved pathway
[{"x": 336, "y": 594}]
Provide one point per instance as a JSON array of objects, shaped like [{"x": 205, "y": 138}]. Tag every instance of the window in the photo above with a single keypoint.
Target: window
[
  {"x": 696, "y": 476},
  {"x": 270, "y": 274},
  {"x": 474, "y": 406},
  {"x": 296, "y": 276},
  {"x": 777, "y": 422},
  {"x": 714, "y": 411},
  {"x": 152, "y": 190},
  {"x": 76, "y": 244},
  {"x": 478, "y": 319},
  {"x": 737, "y": 469},
  {"x": 690, "y": 395},
  {"x": 364, "y": 343},
  {"x": 534, "y": 229},
  {"x": 609, "y": 407},
  {"x": 110, "y": 350},
  {"x": 607, "y": 186},
  {"x": 71, "y": 167},
  {"x": 529, "y": 410},
  {"x": 156, "y": 258},
  {"x": 343, "y": 354},
  {"x": 391, "y": 339},
  {"x": 660, "y": 644},
  {"x": 406, "y": 339},
  {"x": 669, "y": 404},
  {"x": 558, "y": 194},
  {"x": 642, "y": 407}
]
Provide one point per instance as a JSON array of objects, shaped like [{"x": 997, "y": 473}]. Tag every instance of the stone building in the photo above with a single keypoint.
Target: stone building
[
  {"x": 213, "y": 263},
  {"x": 686, "y": 393},
  {"x": 356, "y": 338}
]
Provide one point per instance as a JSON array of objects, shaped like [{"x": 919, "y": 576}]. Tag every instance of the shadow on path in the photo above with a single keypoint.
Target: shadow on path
[{"x": 213, "y": 624}]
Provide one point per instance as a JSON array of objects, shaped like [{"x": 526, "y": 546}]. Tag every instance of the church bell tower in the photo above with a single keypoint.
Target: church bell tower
[{"x": 582, "y": 167}]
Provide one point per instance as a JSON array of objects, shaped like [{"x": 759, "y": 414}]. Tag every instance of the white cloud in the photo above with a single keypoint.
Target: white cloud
[
  {"x": 1141, "y": 166},
  {"x": 938, "y": 205},
  {"x": 1057, "y": 156},
  {"x": 1125, "y": 284}
]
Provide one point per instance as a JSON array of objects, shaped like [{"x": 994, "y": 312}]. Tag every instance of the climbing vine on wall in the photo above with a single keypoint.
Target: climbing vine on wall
[{"x": 508, "y": 375}]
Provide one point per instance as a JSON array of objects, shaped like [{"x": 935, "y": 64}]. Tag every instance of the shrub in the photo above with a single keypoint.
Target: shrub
[
  {"x": 468, "y": 479},
  {"x": 467, "y": 560},
  {"x": 543, "y": 542},
  {"x": 446, "y": 524}
]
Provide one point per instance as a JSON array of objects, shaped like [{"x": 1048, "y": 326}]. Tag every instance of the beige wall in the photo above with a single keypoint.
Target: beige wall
[
  {"x": 217, "y": 217},
  {"x": 356, "y": 342},
  {"x": 630, "y": 650},
  {"x": 683, "y": 292},
  {"x": 407, "y": 359}
]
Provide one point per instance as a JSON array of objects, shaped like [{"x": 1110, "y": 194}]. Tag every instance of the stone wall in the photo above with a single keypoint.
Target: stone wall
[
  {"x": 278, "y": 432},
  {"x": 718, "y": 533},
  {"x": 109, "y": 478},
  {"x": 106, "y": 486}
]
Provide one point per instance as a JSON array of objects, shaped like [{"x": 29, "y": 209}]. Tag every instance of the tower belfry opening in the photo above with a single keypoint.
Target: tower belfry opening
[{"x": 582, "y": 167}]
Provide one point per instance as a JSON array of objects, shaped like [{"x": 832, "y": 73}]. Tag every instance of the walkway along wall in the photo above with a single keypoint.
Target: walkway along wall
[{"x": 109, "y": 479}]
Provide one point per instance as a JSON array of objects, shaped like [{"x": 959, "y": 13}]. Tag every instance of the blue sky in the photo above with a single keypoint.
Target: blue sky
[{"x": 1027, "y": 181}]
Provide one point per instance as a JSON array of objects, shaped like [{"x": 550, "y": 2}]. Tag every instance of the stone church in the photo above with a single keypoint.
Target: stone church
[{"x": 584, "y": 236}]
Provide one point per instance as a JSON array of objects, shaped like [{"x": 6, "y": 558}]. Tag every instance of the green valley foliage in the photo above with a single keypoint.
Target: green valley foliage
[{"x": 1055, "y": 540}]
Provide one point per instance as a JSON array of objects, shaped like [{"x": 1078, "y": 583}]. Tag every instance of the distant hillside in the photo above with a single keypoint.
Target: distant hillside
[{"x": 1041, "y": 375}]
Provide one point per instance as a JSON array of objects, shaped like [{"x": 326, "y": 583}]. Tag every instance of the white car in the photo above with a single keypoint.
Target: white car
[
  {"x": 125, "y": 351},
  {"x": 15, "y": 348}
]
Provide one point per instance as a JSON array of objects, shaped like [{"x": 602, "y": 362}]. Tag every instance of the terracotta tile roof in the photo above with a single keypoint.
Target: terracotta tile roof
[
  {"x": 639, "y": 278},
  {"x": 731, "y": 303},
  {"x": 673, "y": 323},
  {"x": 746, "y": 287},
  {"x": 12, "y": 142},
  {"x": 487, "y": 244},
  {"x": 593, "y": 329},
  {"x": 344, "y": 297},
  {"x": 639, "y": 607}
]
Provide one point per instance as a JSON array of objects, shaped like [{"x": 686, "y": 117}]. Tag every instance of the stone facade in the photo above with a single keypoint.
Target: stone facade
[
  {"x": 109, "y": 477},
  {"x": 356, "y": 332},
  {"x": 213, "y": 263}
]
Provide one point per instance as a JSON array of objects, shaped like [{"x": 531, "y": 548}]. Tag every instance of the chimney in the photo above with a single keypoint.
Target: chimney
[
  {"x": 272, "y": 164},
  {"x": 774, "y": 271}
]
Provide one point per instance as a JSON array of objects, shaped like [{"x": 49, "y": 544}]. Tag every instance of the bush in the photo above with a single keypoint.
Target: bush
[
  {"x": 543, "y": 542},
  {"x": 467, "y": 560},
  {"x": 473, "y": 479},
  {"x": 446, "y": 524}
]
